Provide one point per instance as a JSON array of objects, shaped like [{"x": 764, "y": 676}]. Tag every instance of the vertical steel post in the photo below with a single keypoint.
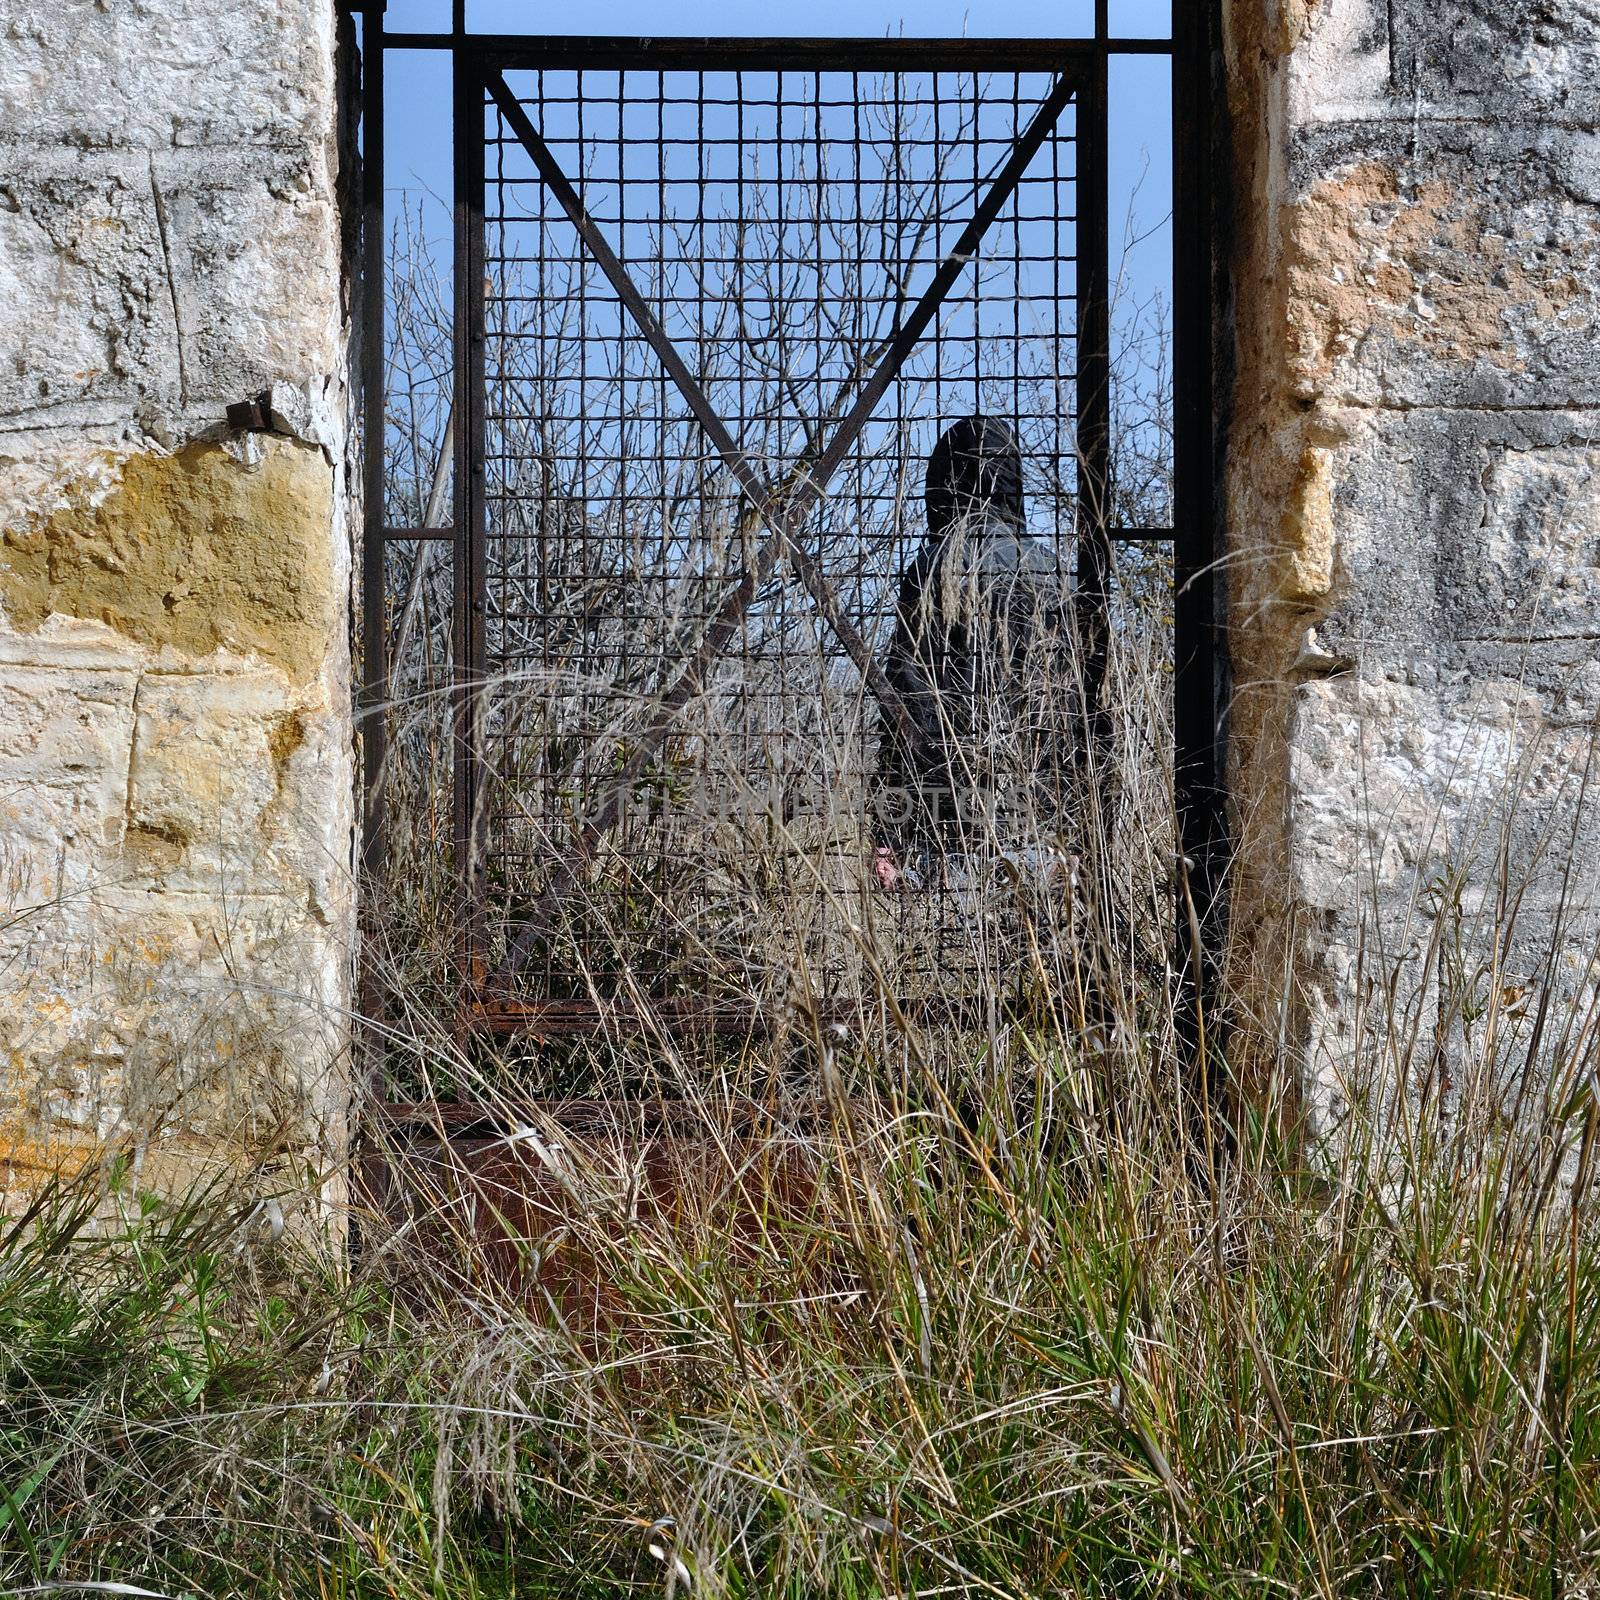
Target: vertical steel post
[
  {"x": 470, "y": 584},
  {"x": 1094, "y": 401},
  {"x": 1201, "y": 683},
  {"x": 373, "y": 686},
  {"x": 374, "y": 643}
]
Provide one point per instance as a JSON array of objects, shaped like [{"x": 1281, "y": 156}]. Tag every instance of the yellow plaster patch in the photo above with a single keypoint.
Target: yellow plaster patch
[
  {"x": 30, "y": 1156},
  {"x": 285, "y": 735},
  {"x": 192, "y": 551},
  {"x": 1294, "y": 23},
  {"x": 25, "y": 1163},
  {"x": 156, "y": 846},
  {"x": 1306, "y": 532},
  {"x": 1426, "y": 267}
]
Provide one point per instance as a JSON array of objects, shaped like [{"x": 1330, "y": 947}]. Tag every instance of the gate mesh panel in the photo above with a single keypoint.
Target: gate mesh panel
[{"x": 778, "y": 223}]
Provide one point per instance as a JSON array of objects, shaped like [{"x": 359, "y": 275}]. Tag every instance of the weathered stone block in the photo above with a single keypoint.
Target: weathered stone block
[
  {"x": 204, "y": 1021},
  {"x": 149, "y": 73},
  {"x": 81, "y": 250},
  {"x": 1441, "y": 851},
  {"x": 1467, "y": 545},
  {"x": 1338, "y": 62},
  {"x": 70, "y": 461},
  {"x": 254, "y": 241},
  {"x": 206, "y": 762},
  {"x": 1392, "y": 785},
  {"x": 57, "y": 726},
  {"x": 1539, "y": 548},
  {"x": 65, "y": 737},
  {"x": 194, "y": 553},
  {"x": 1499, "y": 59},
  {"x": 1417, "y": 535},
  {"x": 1442, "y": 266},
  {"x": 175, "y": 782},
  {"x": 1492, "y": 60}
]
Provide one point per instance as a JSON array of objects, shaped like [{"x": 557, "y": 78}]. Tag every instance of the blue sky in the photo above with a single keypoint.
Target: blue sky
[{"x": 928, "y": 18}]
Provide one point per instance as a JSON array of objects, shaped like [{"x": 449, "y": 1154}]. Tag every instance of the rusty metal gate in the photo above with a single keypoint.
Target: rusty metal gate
[{"x": 714, "y": 303}]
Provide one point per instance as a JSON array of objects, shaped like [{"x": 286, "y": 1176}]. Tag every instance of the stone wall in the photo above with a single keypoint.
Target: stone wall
[
  {"x": 1415, "y": 516},
  {"x": 175, "y": 774}
]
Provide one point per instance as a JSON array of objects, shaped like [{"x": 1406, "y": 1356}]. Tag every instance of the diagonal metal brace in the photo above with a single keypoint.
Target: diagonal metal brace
[{"x": 784, "y": 517}]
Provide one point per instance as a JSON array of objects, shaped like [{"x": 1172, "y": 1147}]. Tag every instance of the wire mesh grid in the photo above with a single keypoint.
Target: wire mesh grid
[{"x": 778, "y": 223}]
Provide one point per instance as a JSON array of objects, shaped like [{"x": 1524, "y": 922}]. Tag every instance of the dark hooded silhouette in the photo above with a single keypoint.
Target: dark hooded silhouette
[{"x": 979, "y": 602}]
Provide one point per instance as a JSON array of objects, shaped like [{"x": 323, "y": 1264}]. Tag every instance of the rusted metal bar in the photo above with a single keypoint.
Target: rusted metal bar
[
  {"x": 372, "y": 710},
  {"x": 1201, "y": 686},
  {"x": 561, "y": 1018},
  {"x": 374, "y": 636},
  {"x": 462, "y": 1122},
  {"x": 468, "y": 512},
  {"x": 1094, "y": 410},
  {"x": 609, "y": 53}
]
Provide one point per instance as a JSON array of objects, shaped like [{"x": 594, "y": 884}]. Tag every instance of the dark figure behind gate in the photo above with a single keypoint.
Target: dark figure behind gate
[{"x": 980, "y": 658}]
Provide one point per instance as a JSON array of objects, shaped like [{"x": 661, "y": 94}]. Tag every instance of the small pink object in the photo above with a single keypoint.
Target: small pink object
[{"x": 885, "y": 868}]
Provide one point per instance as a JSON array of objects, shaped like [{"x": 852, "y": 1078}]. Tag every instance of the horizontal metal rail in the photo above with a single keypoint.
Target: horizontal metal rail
[{"x": 513, "y": 52}]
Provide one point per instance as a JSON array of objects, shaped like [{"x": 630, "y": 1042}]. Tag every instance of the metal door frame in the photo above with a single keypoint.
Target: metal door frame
[{"x": 1201, "y": 680}]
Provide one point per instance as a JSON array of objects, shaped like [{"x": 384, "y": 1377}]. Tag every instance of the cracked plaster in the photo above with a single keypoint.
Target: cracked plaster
[{"x": 1415, "y": 519}]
